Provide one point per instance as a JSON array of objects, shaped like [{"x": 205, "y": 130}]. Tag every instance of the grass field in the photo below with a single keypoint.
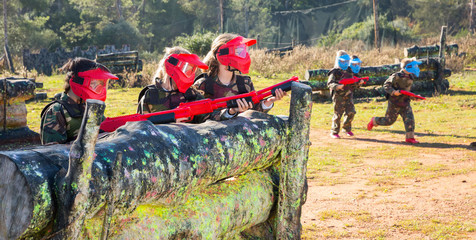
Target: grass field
[{"x": 374, "y": 186}]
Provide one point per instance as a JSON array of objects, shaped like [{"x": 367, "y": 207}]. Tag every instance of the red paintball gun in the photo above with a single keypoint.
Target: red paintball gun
[
  {"x": 411, "y": 94},
  {"x": 190, "y": 109},
  {"x": 353, "y": 80}
]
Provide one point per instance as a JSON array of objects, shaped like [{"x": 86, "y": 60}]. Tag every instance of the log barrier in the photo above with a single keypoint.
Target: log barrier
[
  {"x": 13, "y": 122},
  {"x": 242, "y": 178}
]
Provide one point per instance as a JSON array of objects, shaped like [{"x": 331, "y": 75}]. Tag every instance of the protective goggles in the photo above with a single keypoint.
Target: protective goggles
[
  {"x": 234, "y": 53},
  {"x": 92, "y": 84},
  {"x": 355, "y": 65},
  {"x": 181, "y": 68},
  {"x": 343, "y": 61},
  {"x": 412, "y": 67}
]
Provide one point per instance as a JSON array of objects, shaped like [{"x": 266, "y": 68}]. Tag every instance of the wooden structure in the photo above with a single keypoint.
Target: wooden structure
[
  {"x": 280, "y": 51},
  {"x": 245, "y": 177},
  {"x": 430, "y": 51},
  {"x": 121, "y": 62},
  {"x": 45, "y": 62},
  {"x": 13, "y": 94}
]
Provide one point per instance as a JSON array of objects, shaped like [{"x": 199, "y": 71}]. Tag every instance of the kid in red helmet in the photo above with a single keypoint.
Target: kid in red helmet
[
  {"x": 172, "y": 83},
  {"x": 227, "y": 56},
  {"x": 91, "y": 84},
  {"x": 234, "y": 53},
  {"x": 61, "y": 119},
  {"x": 182, "y": 67}
]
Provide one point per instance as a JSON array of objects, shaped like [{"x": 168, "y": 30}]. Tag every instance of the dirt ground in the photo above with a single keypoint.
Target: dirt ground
[{"x": 414, "y": 208}]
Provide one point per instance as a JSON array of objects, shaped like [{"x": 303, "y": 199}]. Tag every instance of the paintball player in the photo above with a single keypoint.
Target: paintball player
[
  {"x": 228, "y": 56},
  {"x": 61, "y": 119},
  {"x": 343, "y": 95},
  {"x": 172, "y": 83},
  {"x": 398, "y": 103}
]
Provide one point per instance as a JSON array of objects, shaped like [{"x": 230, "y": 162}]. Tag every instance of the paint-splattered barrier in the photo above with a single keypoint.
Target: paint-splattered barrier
[
  {"x": 430, "y": 72},
  {"x": 164, "y": 181},
  {"x": 429, "y": 51},
  {"x": 13, "y": 94}
]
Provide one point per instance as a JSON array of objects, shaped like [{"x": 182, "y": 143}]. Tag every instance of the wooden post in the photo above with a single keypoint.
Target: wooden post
[
  {"x": 292, "y": 179},
  {"x": 377, "y": 42},
  {"x": 73, "y": 188},
  {"x": 439, "y": 86}
]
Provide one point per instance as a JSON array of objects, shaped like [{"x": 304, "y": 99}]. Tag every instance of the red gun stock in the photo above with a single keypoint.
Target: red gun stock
[
  {"x": 411, "y": 94},
  {"x": 353, "y": 80},
  {"x": 190, "y": 109}
]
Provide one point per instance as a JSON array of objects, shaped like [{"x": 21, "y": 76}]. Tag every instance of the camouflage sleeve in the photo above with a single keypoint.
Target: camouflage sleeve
[
  {"x": 388, "y": 85},
  {"x": 53, "y": 125},
  {"x": 199, "y": 84},
  {"x": 332, "y": 82},
  {"x": 143, "y": 105}
]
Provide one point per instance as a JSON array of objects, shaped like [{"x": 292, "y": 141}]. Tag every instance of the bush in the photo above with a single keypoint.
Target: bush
[{"x": 199, "y": 43}]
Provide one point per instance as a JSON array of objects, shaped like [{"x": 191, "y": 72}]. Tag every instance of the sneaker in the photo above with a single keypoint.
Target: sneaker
[
  {"x": 411, "y": 140},
  {"x": 336, "y": 136},
  {"x": 350, "y": 133},
  {"x": 370, "y": 125}
]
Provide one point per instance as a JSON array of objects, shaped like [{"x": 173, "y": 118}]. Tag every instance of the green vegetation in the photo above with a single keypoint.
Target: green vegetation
[{"x": 149, "y": 26}]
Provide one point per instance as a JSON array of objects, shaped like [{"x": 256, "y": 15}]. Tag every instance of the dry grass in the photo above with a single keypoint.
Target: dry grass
[{"x": 303, "y": 58}]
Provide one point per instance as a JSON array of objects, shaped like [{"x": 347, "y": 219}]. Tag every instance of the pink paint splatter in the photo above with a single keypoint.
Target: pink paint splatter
[
  {"x": 154, "y": 179},
  {"x": 131, "y": 149},
  {"x": 262, "y": 142}
]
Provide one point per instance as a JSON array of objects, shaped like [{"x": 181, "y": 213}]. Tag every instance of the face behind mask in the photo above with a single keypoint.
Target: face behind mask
[
  {"x": 181, "y": 68},
  {"x": 234, "y": 53},
  {"x": 355, "y": 65},
  {"x": 412, "y": 67},
  {"x": 91, "y": 84},
  {"x": 343, "y": 61}
]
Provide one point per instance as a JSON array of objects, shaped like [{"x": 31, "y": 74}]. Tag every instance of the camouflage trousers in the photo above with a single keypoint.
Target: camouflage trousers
[
  {"x": 343, "y": 105},
  {"x": 392, "y": 113}
]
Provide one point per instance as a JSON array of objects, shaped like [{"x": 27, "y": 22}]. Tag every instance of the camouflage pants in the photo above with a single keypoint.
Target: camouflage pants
[
  {"x": 392, "y": 113},
  {"x": 343, "y": 105}
]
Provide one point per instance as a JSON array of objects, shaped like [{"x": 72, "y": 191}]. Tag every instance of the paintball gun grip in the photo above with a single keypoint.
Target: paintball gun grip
[
  {"x": 285, "y": 87},
  {"x": 162, "y": 118},
  {"x": 233, "y": 104}
]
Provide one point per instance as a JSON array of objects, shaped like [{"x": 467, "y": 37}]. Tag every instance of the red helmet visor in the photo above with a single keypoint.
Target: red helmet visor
[
  {"x": 234, "y": 53},
  {"x": 91, "y": 84},
  {"x": 181, "y": 68}
]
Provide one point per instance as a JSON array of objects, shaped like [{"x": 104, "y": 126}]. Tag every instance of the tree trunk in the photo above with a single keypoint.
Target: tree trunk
[
  {"x": 220, "y": 5},
  {"x": 471, "y": 16},
  {"x": 8, "y": 57},
  {"x": 377, "y": 40}
]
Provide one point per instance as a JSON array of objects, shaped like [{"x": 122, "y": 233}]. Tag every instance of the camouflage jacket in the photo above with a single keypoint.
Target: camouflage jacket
[
  {"x": 154, "y": 98},
  {"x": 213, "y": 89},
  {"x": 398, "y": 81},
  {"x": 61, "y": 120},
  {"x": 336, "y": 75}
]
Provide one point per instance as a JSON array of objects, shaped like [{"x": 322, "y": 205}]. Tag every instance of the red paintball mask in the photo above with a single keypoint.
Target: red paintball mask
[
  {"x": 234, "y": 53},
  {"x": 181, "y": 68},
  {"x": 91, "y": 84}
]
